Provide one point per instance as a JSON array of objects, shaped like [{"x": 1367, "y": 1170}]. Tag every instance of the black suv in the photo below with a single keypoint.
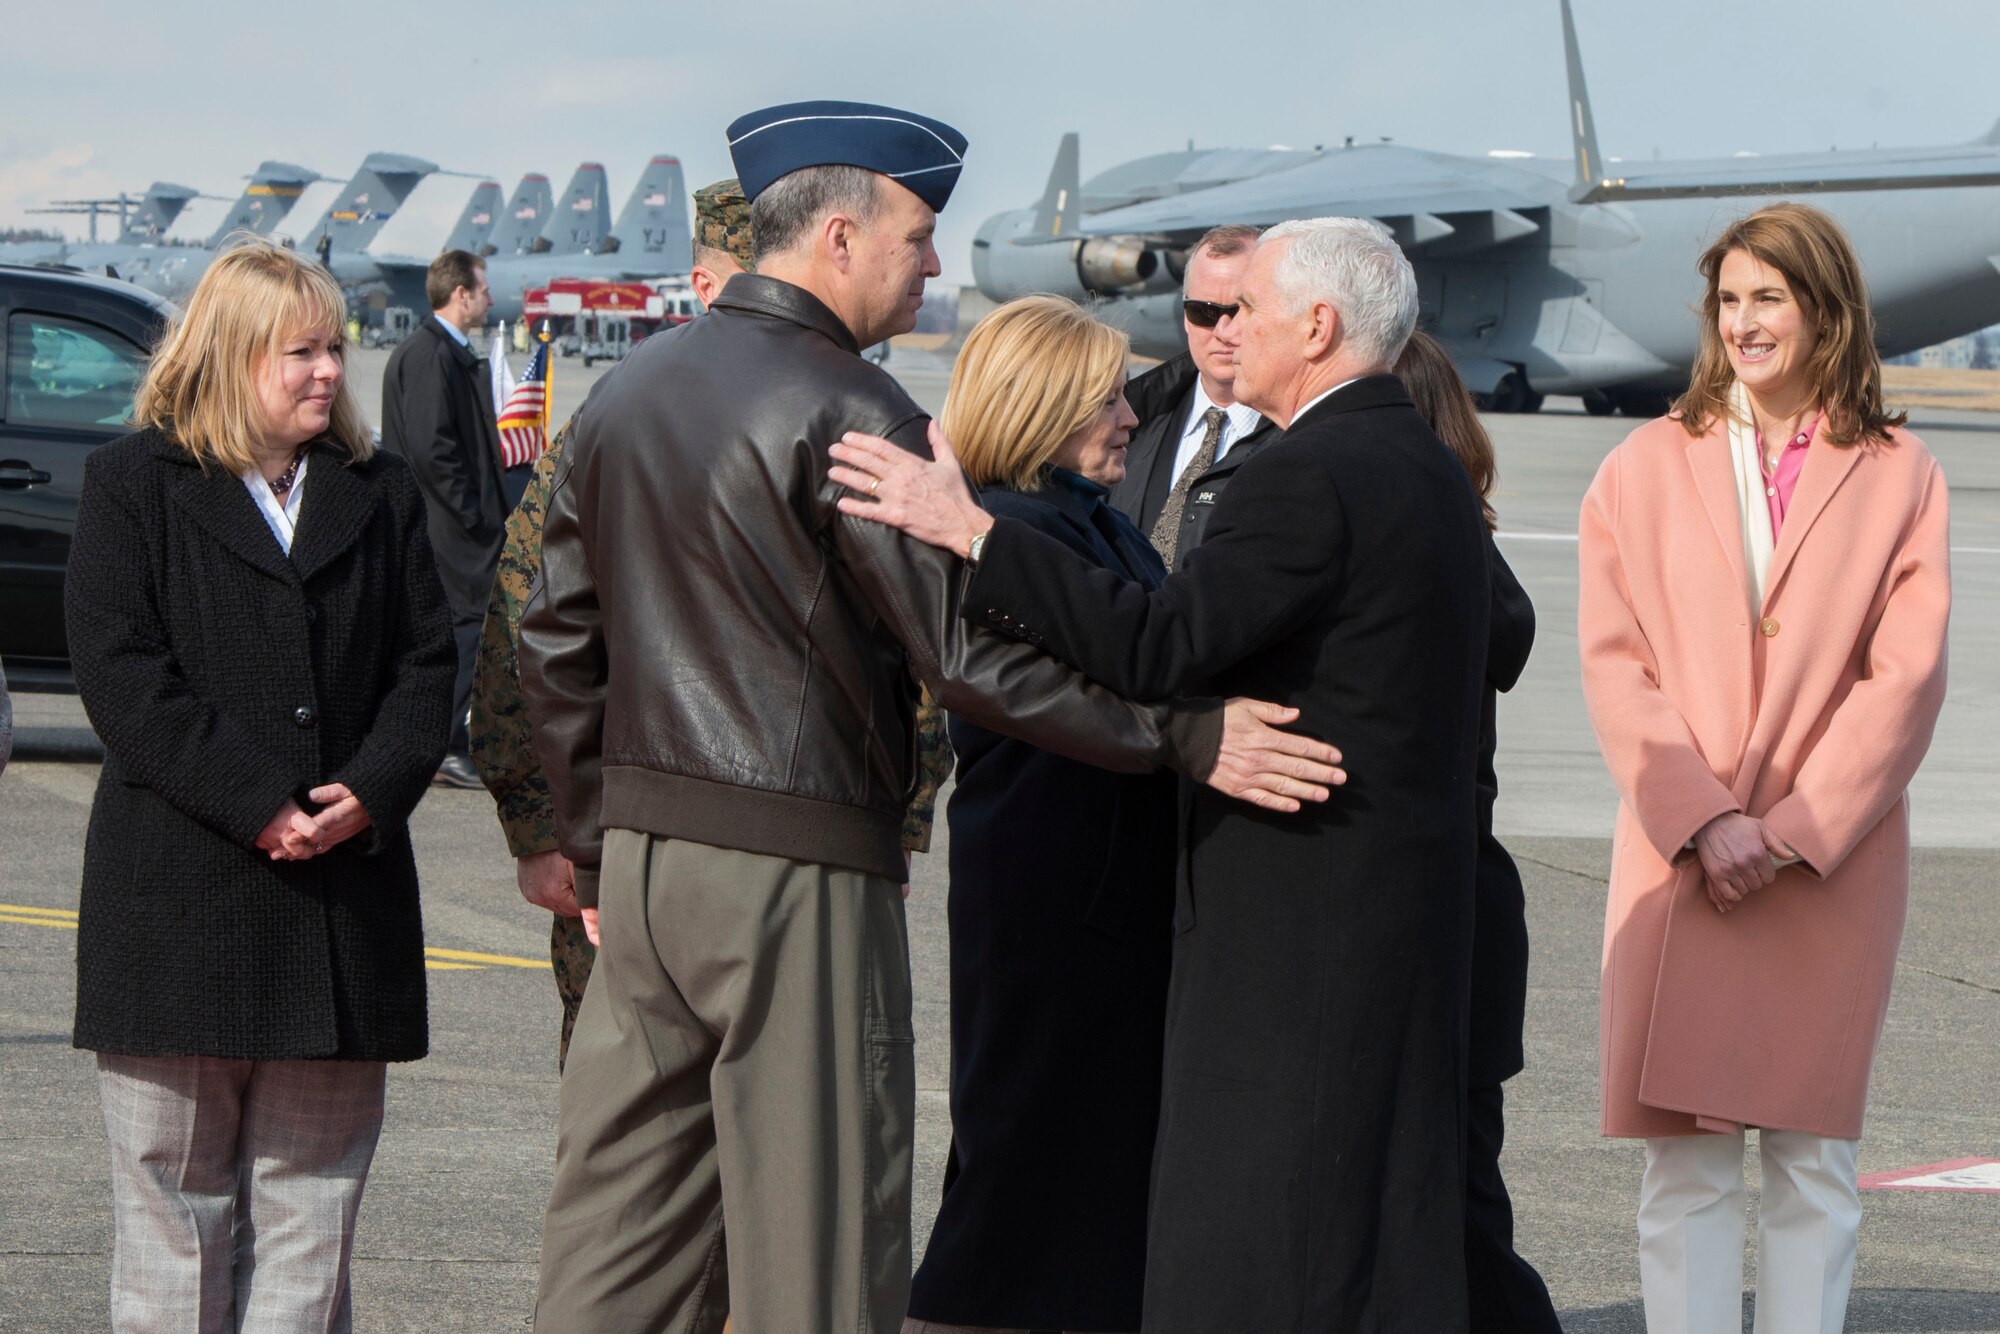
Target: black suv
[{"x": 73, "y": 349}]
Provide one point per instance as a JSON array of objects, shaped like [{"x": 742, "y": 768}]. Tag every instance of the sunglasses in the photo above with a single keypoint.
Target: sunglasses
[{"x": 1206, "y": 314}]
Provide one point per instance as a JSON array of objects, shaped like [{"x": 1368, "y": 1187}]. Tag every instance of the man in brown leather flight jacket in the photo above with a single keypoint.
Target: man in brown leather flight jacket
[{"x": 719, "y": 667}]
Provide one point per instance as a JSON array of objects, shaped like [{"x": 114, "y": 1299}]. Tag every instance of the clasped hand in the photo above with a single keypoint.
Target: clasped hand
[
  {"x": 293, "y": 836},
  {"x": 1739, "y": 855}
]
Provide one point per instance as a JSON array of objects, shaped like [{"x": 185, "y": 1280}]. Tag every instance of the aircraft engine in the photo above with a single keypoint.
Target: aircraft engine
[{"x": 1110, "y": 264}]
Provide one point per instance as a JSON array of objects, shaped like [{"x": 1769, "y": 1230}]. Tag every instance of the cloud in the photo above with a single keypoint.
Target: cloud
[
  {"x": 29, "y": 180},
  {"x": 606, "y": 82}
]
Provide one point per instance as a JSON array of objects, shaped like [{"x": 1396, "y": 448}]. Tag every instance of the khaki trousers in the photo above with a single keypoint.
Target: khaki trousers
[{"x": 744, "y": 1053}]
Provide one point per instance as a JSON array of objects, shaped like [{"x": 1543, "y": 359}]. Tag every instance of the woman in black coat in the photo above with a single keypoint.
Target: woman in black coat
[
  {"x": 261, "y": 642},
  {"x": 1061, "y": 896},
  {"x": 1504, "y": 1291}
]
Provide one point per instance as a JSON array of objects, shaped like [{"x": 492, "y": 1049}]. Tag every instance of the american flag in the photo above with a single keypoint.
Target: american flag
[{"x": 523, "y": 436}]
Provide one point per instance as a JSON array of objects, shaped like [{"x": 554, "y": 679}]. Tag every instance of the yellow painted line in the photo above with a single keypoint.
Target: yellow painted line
[
  {"x": 469, "y": 956},
  {"x": 435, "y": 966},
  {"x": 434, "y": 957},
  {"x": 66, "y": 914},
  {"x": 66, "y": 923}
]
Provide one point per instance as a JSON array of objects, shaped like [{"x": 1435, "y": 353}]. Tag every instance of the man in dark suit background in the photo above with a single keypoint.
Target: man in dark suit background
[
  {"x": 437, "y": 412},
  {"x": 1193, "y": 433}
]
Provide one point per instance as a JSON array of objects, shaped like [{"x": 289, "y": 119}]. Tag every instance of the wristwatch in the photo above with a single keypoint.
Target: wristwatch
[{"x": 975, "y": 547}]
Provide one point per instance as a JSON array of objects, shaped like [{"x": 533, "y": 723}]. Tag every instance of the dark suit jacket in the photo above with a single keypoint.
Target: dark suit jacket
[
  {"x": 1500, "y": 935},
  {"x": 437, "y": 412},
  {"x": 224, "y": 677},
  {"x": 1309, "y": 1169},
  {"x": 1161, "y": 399}
]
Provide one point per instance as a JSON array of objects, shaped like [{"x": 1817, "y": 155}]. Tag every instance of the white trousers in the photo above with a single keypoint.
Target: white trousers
[
  {"x": 234, "y": 1186},
  {"x": 1691, "y": 1213}
]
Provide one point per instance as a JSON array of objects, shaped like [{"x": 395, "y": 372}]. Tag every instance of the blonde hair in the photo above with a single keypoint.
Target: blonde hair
[
  {"x": 1819, "y": 265},
  {"x": 201, "y": 387},
  {"x": 1032, "y": 374}
]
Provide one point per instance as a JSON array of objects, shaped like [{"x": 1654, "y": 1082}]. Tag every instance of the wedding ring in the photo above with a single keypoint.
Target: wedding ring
[{"x": 874, "y": 485}]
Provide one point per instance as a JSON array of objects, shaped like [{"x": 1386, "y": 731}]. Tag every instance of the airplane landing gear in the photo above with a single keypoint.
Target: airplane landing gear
[{"x": 1512, "y": 394}]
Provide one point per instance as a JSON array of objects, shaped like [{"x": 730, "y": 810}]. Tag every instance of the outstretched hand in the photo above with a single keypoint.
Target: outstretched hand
[
  {"x": 1269, "y": 768},
  {"x": 926, "y": 498}
]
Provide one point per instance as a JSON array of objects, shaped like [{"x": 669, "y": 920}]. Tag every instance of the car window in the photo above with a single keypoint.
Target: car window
[{"x": 67, "y": 373}]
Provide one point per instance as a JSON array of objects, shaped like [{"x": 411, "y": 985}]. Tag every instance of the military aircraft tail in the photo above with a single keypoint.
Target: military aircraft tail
[
  {"x": 581, "y": 218},
  {"x": 274, "y": 187},
  {"x": 163, "y": 203},
  {"x": 475, "y": 223},
  {"x": 654, "y": 221},
  {"x": 527, "y": 212},
  {"x": 1062, "y": 200},
  {"x": 1582, "y": 125},
  {"x": 371, "y": 198}
]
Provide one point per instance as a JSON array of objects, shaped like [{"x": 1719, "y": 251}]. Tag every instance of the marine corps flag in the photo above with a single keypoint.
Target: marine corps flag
[{"x": 524, "y": 420}]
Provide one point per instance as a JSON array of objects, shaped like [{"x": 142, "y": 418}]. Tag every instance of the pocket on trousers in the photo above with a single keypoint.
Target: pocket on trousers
[{"x": 891, "y": 1128}]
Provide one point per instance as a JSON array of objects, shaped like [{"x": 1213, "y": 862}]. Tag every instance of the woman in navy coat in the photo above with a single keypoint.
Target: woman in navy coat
[{"x": 1061, "y": 895}]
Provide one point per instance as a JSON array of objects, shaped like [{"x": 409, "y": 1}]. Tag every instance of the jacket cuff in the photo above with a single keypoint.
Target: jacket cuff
[
  {"x": 1672, "y": 830},
  {"x": 1790, "y": 821},
  {"x": 586, "y": 886},
  {"x": 528, "y": 818},
  {"x": 1194, "y": 736}
]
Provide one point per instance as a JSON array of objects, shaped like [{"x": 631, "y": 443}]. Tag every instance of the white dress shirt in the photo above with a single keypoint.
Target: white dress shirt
[
  {"x": 1238, "y": 421},
  {"x": 1321, "y": 398},
  {"x": 282, "y": 520}
]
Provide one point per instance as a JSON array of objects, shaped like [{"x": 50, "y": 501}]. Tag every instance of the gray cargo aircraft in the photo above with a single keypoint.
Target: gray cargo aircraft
[
  {"x": 272, "y": 190},
  {"x": 581, "y": 218},
  {"x": 369, "y": 199},
  {"x": 523, "y": 218},
  {"x": 650, "y": 239},
  {"x": 1539, "y": 279}
]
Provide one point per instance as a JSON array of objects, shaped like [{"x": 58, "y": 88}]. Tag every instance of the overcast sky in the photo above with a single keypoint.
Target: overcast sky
[{"x": 104, "y": 95}]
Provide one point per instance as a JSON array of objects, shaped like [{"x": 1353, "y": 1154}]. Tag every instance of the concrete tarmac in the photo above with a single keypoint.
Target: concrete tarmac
[{"x": 449, "y": 1230}]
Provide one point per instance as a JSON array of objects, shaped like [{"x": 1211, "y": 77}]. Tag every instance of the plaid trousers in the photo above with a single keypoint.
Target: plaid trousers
[{"x": 235, "y": 1186}]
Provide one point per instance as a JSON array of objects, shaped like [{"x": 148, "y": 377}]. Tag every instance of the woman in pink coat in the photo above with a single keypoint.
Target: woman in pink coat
[{"x": 1764, "y": 594}]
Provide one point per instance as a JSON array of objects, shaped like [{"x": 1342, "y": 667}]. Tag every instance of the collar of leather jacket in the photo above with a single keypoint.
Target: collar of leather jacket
[{"x": 758, "y": 294}]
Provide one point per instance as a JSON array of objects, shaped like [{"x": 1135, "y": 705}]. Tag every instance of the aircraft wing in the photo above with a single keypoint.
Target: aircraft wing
[
  {"x": 1411, "y": 190},
  {"x": 1796, "y": 174}
]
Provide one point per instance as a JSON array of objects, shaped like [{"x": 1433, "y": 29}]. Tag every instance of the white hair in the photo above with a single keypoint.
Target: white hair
[{"x": 1355, "y": 266}]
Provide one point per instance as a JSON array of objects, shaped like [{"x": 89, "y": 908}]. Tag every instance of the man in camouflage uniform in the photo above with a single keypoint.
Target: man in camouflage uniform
[{"x": 502, "y": 736}]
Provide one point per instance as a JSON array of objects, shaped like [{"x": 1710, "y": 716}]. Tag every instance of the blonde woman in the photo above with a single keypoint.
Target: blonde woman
[
  {"x": 1762, "y": 611},
  {"x": 261, "y": 642},
  {"x": 1061, "y": 900}
]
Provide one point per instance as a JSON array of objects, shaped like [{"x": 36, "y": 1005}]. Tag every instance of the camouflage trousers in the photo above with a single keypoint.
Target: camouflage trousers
[{"x": 571, "y": 954}]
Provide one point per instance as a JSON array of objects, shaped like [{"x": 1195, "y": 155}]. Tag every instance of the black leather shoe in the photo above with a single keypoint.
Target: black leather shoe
[{"x": 456, "y": 771}]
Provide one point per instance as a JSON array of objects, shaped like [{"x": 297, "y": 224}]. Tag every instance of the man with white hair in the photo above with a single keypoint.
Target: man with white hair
[{"x": 1309, "y": 1168}]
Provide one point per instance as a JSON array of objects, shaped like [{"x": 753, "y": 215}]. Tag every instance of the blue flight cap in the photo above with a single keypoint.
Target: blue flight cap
[{"x": 921, "y": 154}]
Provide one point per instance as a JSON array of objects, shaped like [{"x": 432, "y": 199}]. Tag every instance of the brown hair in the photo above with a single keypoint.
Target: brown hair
[
  {"x": 1232, "y": 238},
  {"x": 1031, "y": 374},
  {"x": 1813, "y": 253},
  {"x": 1443, "y": 401},
  {"x": 201, "y": 387},
  {"x": 449, "y": 272}
]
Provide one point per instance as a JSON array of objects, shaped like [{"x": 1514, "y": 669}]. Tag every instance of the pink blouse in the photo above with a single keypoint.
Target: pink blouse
[{"x": 1781, "y": 482}]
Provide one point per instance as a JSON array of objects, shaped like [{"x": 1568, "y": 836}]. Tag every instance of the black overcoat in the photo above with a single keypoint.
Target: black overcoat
[
  {"x": 1309, "y": 1170},
  {"x": 437, "y": 412},
  {"x": 1500, "y": 932},
  {"x": 224, "y": 677},
  {"x": 1061, "y": 912}
]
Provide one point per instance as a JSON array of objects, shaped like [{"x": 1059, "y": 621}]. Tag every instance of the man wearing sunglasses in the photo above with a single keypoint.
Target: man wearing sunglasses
[{"x": 1193, "y": 434}]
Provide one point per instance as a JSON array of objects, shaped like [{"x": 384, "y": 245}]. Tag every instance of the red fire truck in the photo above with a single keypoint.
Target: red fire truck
[{"x": 597, "y": 320}]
